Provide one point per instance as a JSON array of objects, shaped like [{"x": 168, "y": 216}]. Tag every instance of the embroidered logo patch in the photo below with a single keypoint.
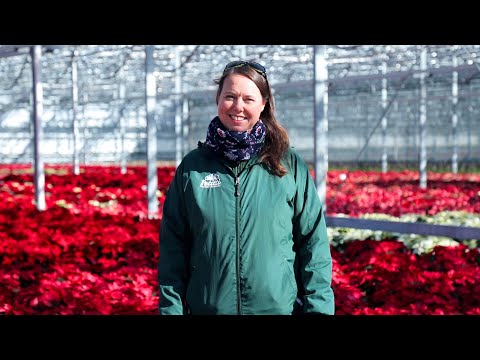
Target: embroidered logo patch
[{"x": 211, "y": 181}]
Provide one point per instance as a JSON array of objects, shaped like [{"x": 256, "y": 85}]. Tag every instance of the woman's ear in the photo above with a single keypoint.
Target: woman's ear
[{"x": 264, "y": 104}]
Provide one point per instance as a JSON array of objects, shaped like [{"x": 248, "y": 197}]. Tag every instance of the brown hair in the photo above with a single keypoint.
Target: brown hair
[{"x": 276, "y": 140}]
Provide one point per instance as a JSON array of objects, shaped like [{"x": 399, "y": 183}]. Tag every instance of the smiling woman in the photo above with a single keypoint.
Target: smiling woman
[
  {"x": 243, "y": 229},
  {"x": 240, "y": 103}
]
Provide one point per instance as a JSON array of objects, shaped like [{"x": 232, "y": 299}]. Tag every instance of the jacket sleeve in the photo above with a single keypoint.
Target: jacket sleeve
[
  {"x": 313, "y": 261},
  {"x": 174, "y": 249}
]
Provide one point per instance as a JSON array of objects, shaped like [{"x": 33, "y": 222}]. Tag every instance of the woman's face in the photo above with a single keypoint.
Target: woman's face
[{"x": 240, "y": 103}]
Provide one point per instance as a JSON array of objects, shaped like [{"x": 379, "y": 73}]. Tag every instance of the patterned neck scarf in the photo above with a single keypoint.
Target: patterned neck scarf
[{"x": 235, "y": 145}]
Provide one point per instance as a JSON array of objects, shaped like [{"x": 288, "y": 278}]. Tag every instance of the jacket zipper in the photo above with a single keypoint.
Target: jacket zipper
[
  {"x": 237, "y": 232},
  {"x": 237, "y": 173},
  {"x": 237, "y": 183}
]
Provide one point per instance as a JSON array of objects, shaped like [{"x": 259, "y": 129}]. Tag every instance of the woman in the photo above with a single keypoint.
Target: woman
[{"x": 243, "y": 230}]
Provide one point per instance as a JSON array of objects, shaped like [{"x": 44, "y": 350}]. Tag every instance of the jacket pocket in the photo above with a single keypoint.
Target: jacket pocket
[{"x": 290, "y": 274}]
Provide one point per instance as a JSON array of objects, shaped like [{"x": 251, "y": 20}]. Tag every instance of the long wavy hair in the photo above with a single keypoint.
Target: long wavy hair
[{"x": 276, "y": 140}]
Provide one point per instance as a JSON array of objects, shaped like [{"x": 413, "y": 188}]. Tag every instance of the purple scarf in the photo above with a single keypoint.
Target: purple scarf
[{"x": 235, "y": 145}]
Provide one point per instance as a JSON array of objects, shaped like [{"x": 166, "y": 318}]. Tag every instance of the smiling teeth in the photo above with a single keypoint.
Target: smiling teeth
[{"x": 238, "y": 118}]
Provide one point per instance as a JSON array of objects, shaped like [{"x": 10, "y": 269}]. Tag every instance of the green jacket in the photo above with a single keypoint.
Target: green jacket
[{"x": 239, "y": 240}]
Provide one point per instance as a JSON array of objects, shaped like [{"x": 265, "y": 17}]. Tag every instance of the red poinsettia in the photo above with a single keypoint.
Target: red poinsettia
[{"x": 94, "y": 250}]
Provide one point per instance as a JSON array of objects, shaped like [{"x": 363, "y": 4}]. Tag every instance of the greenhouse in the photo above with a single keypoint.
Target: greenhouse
[
  {"x": 419, "y": 88},
  {"x": 91, "y": 135}
]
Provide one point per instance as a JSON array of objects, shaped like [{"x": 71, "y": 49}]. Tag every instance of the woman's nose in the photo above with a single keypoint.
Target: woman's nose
[{"x": 238, "y": 104}]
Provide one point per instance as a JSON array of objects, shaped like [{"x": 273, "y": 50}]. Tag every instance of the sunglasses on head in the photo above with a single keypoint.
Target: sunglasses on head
[{"x": 254, "y": 65}]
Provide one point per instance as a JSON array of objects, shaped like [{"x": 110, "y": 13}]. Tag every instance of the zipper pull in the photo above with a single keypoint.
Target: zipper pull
[{"x": 237, "y": 182}]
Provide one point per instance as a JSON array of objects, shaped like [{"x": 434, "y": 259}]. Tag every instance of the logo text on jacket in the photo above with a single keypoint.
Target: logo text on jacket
[{"x": 211, "y": 181}]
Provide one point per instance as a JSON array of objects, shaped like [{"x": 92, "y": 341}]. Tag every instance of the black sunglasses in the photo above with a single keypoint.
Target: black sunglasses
[{"x": 254, "y": 65}]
